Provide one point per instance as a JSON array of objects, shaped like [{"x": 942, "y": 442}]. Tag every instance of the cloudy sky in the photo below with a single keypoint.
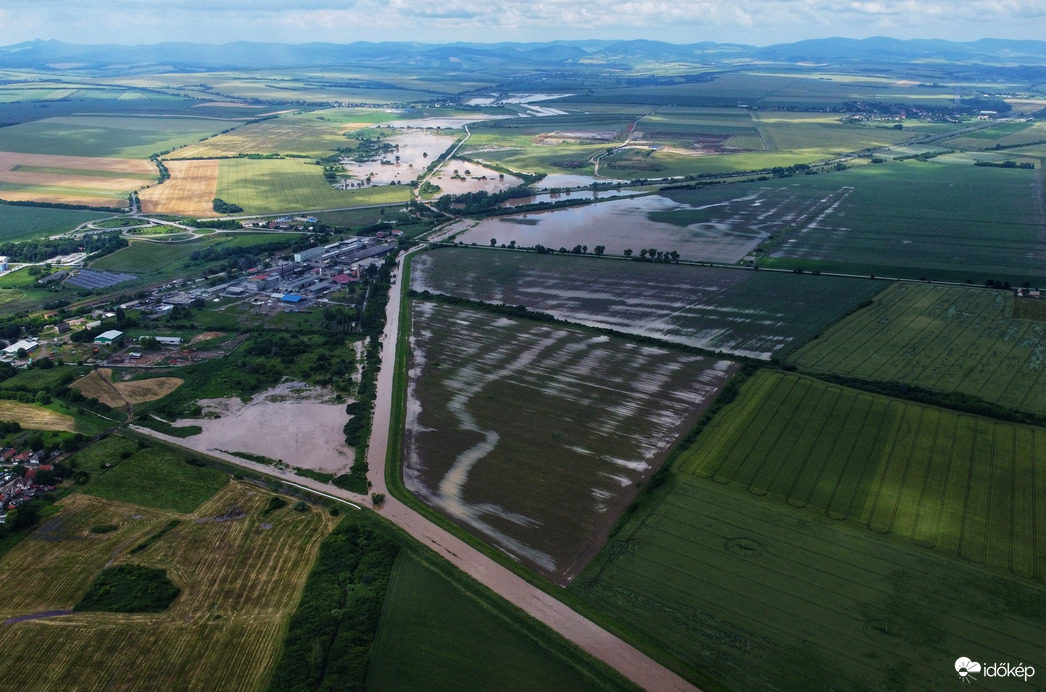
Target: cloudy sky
[{"x": 758, "y": 22}]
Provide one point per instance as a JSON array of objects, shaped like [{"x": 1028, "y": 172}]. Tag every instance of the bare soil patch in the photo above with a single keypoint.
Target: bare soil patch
[
  {"x": 95, "y": 385},
  {"x": 191, "y": 189},
  {"x": 99, "y": 385}
]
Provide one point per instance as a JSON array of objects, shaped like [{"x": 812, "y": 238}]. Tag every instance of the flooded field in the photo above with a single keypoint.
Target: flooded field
[
  {"x": 625, "y": 224},
  {"x": 757, "y": 314},
  {"x": 312, "y": 436},
  {"x": 571, "y": 180},
  {"x": 568, "y": 195},
  {"x": 471, "y": 177},
  {"x": 417, "y": 148},
  {"x": 536, "y": 437}
]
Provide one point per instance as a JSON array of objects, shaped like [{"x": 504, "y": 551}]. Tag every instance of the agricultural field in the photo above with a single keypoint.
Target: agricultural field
[
  {"x": 823, "y": 134},
  {"x": 18, "y": 223},
  {"x": 608, "y": 410},
  {"x": 955, "y": 483},
  {"x": 947, "y": 339},
  {"x": 190, "y": 190},
  {"x": 240, "y": 573},
  {"x": 436, "y": 636},
  {"x": 747, "y": 313},
  {"x": 315, "y": 134},
  {"x": 33, "y": 417},
  {"x": 275, "y": 185},
  {"x": 72, "y": 179},
  {"x": 107, "y": 136},
  {"x": 1008, "y": 135},
  {"x": 904, "y": 218},
  {"x": 745, "y": 593}
]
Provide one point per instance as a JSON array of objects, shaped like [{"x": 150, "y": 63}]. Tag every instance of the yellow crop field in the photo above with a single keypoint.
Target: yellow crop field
[
  {"x": 240, "y": 573},
  {"x": 140, "y": 391},
  {"x": 190, "y": 190},
  {"x": 33, "y": 417}
]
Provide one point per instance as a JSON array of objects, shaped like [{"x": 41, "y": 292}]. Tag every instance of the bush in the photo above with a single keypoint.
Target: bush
[
  {"x": 275, "y": 503},
  {"x": 377, "y": 498},
  {"x": 130, "y": 589},
  {"x": 301, "y": 506}
]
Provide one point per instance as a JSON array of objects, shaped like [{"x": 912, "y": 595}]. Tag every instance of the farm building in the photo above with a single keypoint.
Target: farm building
[
  {"x": 28, "y": 344},
  {"x": 165, "y": 340},
  {"x": 291, "y": 298},
  {"x": 109, "y": 337}
]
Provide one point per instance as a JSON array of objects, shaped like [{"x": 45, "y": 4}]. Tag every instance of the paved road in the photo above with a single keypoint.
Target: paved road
[{"x": 630, "y": 662}]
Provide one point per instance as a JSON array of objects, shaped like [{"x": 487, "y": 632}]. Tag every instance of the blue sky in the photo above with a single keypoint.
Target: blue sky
[{"x": 758, "y": 22}]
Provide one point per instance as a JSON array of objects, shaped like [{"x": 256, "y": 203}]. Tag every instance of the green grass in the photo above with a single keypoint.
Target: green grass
[
  {"x": 957, "y": 484},
  {"x": 130, "y": 589},
  {"x": 738, "y": 592},
  {"x": 438, "y": 634},
  {"x": 947, "y": 339},
  {"x": 25, "y": 223},
  {"x": 273, "y": 185},
  {"x": 106, "y": 136},
  {"x": 156, "y": 477},
  {"x": 908, "y": 219}
]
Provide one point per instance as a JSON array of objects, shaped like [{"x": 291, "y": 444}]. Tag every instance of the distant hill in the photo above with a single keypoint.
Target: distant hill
[{"x": 190, "y": 57}]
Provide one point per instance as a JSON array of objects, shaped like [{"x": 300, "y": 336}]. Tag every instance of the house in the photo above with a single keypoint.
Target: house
[{"x": 13, "y": 487}]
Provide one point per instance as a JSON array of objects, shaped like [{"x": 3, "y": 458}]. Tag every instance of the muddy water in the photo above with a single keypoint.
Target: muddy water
[
  {"x": 620, "y": 225},
  {"x": 413, "y": 147}
]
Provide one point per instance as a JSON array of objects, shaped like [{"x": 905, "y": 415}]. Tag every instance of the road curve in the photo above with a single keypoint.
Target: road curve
[{"x": 590, "y": 637}]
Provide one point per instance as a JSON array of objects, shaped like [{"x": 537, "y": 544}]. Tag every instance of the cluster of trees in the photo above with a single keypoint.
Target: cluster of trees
[
  {"x": 1006, "y": 164},
  {"x": 654, "y": 255},
  {"x": 95, "y": 244},
  {"x": 223, "y": 207},
  {"x": 329, "y": 638}
]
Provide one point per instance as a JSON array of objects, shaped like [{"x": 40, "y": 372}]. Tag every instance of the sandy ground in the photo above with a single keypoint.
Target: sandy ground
[{"x": 285, "y": 423}]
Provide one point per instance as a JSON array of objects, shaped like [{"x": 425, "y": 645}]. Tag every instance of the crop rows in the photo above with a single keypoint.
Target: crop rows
[
  {"x": 240, "y": 578},
  {"x": 950, "y": 339},
  {"x": 757, "y": 594},
  {"x": 962, "y": 485}
]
